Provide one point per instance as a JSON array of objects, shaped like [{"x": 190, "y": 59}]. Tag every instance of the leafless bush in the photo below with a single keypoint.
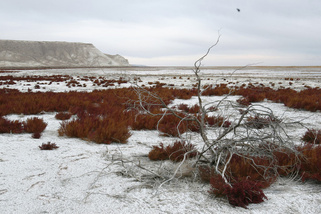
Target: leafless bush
[{"x": 253, "y": 134}]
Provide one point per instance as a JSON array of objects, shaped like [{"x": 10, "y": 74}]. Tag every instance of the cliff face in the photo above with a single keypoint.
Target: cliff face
[{"x": 26, "y": 54}]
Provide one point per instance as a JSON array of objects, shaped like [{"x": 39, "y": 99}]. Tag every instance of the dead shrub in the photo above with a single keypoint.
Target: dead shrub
[{"x": 34, "y": 125}]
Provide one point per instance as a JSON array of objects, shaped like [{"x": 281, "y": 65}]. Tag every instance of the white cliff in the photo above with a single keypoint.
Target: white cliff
[{"x": 32, "y": 54}]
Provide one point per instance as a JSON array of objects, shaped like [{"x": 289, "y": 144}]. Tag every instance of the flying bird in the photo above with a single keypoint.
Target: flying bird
[{"x": 238, "y": 10}]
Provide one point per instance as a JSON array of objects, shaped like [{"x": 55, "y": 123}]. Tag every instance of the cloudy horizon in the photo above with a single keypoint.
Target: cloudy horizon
[{"x": 175, "y": 32}]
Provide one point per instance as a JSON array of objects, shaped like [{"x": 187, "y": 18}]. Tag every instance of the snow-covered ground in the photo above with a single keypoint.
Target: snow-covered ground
[{"x": 84, "y": 177}]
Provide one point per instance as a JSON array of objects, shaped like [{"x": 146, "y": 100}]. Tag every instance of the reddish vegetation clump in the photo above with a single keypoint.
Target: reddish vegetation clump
[
  {"x": 260, "y": 122},
  {"x": 175, "y": 152},
  {"x": 312, "y": 136},
  {"x": 170, "y": 125},
  {"x": 36, "y": 135},
  {"x": 63, "y": 116},
  {"x": 244, "y": 101},
  {"x": 97, "y": 129},
  {"x": 48, "y": 146},
  {"x": 240, "y": 193},
  {"x": 193, "y": 109},
  {"x": 218, "y": 90},
  {"x": 311, "y": 162},
  {"x": 144, "y": 121},
  {"x": 7, "y": 126},
  {"x": 217, "y": 121},
  {"x": 34, "y": 125},
  {"x": 158, "y": 153}
]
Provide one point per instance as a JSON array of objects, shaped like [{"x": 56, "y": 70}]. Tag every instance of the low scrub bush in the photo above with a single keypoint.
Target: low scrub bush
[
  {"x": 255, "y": 168},
  {"x": 48, "y": 146},
  {"x": 97, "y": 129},
  {"x": 260, "y": 122},
  {"x": 217, "y": 121},
  {"x": 218, "y": 90},
  {"x": 158, "y": 153},
  {"x": 244, "y": 101},
  {"x": 311, "y": 162},
  {"x": 179, "y": 149},
  {"x": 312, "y": 136},
  {"x": 174, "y": 152},
  {"x": 36, "y": 135},
  {"x": 144, "y": 122},
  {"x": 170, "y": 125},
  {"x": 7, "y": 126},
  {"x": 240, "y": 193},
  {"x": 288, "y": 162},
  {"x": 34, "y": 125},
  {"x": 63, "y": 116},
  {"x": 193, "y": 109},
  {"x": 245, "y": 192}
]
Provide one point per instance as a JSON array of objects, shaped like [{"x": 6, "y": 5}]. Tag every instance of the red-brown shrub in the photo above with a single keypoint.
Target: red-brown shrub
[
  {"x": 63, "y": 116},
  {"x": 252, "y": 167},
  {"x": 287, "y": 162},
  {"x": 217, "y": 121},
  {"x": 217, "y": 183},
  {"x": 158, "y": 153},
  {"x": 312, "y": 136},
  {"x": 170, "y": 125},
  {"x": 311, "y": 162},
  {"x": 34, "y": 125},
  {"x": 144, "y": 122},
  {"x": 48, "y": 146},
  {"x": 243, "y": 101},
  {"x": 97, "y": 129},
  {"x": 241, "y": 193},
  {"x": 174, "y": 152},
  {"x": 7, "y": 126},
  {"x": 218, "y": 90},
  {"x": 179, "y": 149},
  {"x": 36, "y": 135},
  {"x": 193, "y": 109},
  {"x": 260, "y": 122}
]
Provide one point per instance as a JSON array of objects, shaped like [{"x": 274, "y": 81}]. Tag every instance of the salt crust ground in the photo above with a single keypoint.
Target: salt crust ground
[{"x": 83, "y": 177}]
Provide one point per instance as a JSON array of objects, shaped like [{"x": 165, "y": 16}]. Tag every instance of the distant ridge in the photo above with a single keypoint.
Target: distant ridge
[{"x": 45, "y": 54}]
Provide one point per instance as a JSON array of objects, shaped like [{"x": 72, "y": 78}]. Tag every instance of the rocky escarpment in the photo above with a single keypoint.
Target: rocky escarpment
[{"x": 33, "y": 54}]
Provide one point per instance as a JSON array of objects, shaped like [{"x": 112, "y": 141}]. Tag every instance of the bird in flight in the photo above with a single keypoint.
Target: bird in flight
[{"x": 238, "y": 10}]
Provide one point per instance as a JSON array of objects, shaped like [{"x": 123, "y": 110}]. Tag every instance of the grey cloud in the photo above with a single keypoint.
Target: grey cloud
[{"x": 150, "y": 29}]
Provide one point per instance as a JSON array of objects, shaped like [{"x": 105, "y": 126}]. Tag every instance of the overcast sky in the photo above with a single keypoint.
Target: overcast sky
[{"x": 175, "y": 32}]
